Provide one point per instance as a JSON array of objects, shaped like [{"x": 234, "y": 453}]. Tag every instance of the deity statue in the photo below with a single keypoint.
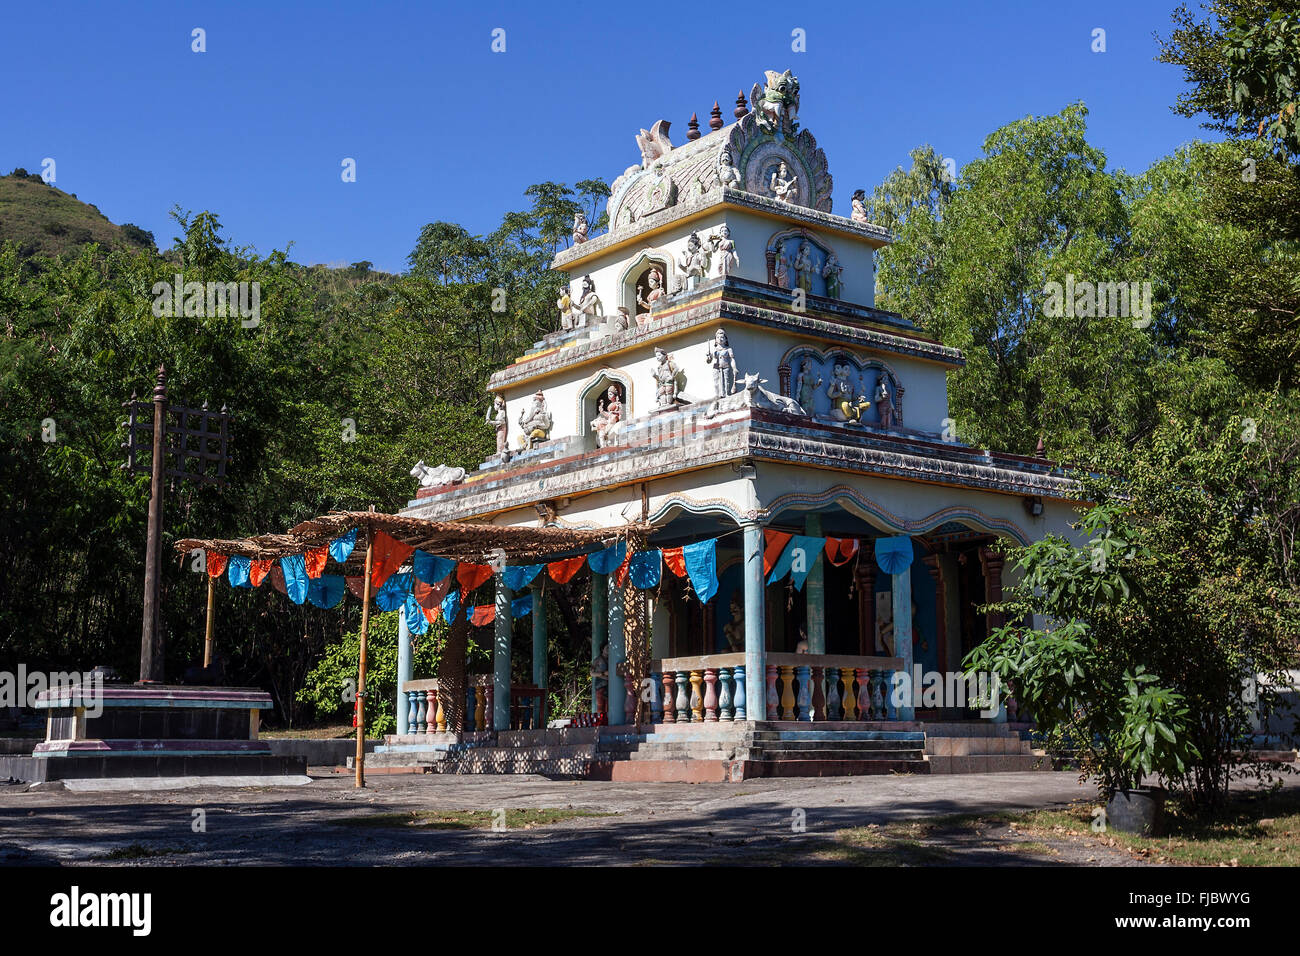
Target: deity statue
[
  {"x": 622, "y": 321},
  {"x": 723, "y": 360},
  {"x": 666, "y": 377},
  {"x": 609, "y": 413},
  {"x": 859, "y": 206},
  {"x": 784, "y": 186},
  {"x": 831, "y": 273},
  {"x": 803, "y": 266},
  {"x": 844, "y": 407},
  {"x": 728, "y": 174},
  {"x": 565, "y": 305},
  {"x": 580, "y": 228},
  {"x": 805, "y": 387},
  {"x": 782, "y": 267},
  {"x": 695, "y": 260},
  {"x": 734, "y": 631},
  {"x": 724, "y": 247},
  {"x": 884, "y": 403},
  {"x": 587, "y": 306},
  {"x": 655, "y": 283},
  {"x": 497, "y": 418},
  {"x": 536, "y": 423}
]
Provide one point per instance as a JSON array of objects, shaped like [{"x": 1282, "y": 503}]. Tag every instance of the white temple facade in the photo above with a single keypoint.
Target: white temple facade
[{"x": 719, "y": 370}]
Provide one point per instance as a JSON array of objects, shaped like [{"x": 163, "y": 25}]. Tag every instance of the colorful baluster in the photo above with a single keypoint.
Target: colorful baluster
[
  {"x": 738, "y": 677},
  {"x": 818, "y": 694},
  {"x": 421, "y": 713},
  {"x": 773, "y": 700},
  {"x": 849, "y": 700},
  {"x": 711, "y": 693},
  {"x": 697, "y": 699},
  {"x": 683, "y": 699},
  {"x": 803, "y": 698},
  {"x": 439, "y": 717},
  {"x": 656, "y": 702},
  {"x": 412, "y": 711},
  {"x": 726, "y": 710},
  {"x": 891, "y": 708},
  {"x": 864, "y": 694},
  {"x": 833, "y": 708},
  {"x": 670, "y": 703}
]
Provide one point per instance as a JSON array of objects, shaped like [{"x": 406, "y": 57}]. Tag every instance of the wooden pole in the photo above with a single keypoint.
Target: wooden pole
[
  {"x": 361, "y": 666},
  {"x": 207, "y": 639},
  {"x": 151, "y": 642}
]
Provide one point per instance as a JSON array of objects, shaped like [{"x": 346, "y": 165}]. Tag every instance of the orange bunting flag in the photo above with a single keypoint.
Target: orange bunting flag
[
  {"x": 483, "y": 614},
  {"x": 431, "y": 595},
  {"x": 841, "y": 550},
  {"x": 431, "y": 613},
  {"x": 470, "y": 576},
  {"x": 216, "y": 563},
  {"x": 258, "y": 570},
  {"x": 675, "y": 558},
  {"x": 620, "y": 576},
  {"x": 561, "y": 571},
  {"x": 316, "y": 560},
  {"x": 775, "y": 542},
  {"x": 389, "y": 555}
]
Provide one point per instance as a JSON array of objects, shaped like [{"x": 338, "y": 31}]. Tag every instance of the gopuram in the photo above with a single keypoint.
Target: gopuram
[{"x": 719, "y": 372}]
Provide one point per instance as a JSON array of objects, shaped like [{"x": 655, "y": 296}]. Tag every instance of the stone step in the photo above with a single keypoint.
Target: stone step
[
  {"x": 829, "y": 768},
  {"x": 975, "y": 746},
  {"x": 839, "y": 754},
  {"x": 794, "y": 742},
  {"x": 989, "y": 763}
]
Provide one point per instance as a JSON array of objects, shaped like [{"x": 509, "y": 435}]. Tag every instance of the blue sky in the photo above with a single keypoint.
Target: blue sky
[{"x": 256, "y": 127}]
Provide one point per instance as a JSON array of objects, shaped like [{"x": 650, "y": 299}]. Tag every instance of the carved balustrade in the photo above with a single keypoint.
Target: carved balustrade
[{"x": 426, "y": 714}]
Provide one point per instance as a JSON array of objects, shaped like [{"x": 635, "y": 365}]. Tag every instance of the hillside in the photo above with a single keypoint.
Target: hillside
[{"x": 44, "y": 220}]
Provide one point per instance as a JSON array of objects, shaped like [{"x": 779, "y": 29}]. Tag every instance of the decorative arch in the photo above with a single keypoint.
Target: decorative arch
[
  {"x": 727, "y": 507},
  {"x": 589, "y": 393},
  {"x": 868, "y": 510},
  {"x": 789, "y": 371},
  {"x": 627, "y": 280}
]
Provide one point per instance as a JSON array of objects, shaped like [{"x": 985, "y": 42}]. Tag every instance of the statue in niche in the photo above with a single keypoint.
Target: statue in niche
[
  {"x": 587, "y": 306},
  {"x": 654, "y": 288},
  {"x": 536, "y": 423},
  {"x": 497, "y": 418},
  {"x": 609, "y": 412},
  {"x": 724, "y": 248},
  {"x": 782, "y": 267},
  {"x": 803, "y": 266},
  {"x": 728, "y": 174},
  {"x": 884, "y": 402},
  {"x": 580, "y": 228},
  {"x": 831, "y": 273},
  {"x": 723, "y": 360},
  {"x": 845, "y": 406},
  {"x": 782, "y": 185},
  {"x": 667, "y": 379},
  {"x": 694, "y": 261},
  {"x": 805, "y": 388},
  {"x": 859, "y": 213},
  {"x": 734, "y": 630}
]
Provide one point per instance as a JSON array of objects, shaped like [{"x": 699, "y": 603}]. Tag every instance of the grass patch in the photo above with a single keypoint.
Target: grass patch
[
  {"x": 467, "y": 819},
  {"x": 1257, "y": 829}
]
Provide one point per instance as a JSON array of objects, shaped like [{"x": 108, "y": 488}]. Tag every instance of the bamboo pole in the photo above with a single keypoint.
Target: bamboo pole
[
  {"x": 207, "y": 639},
  {"x": 361, "y": 666}
]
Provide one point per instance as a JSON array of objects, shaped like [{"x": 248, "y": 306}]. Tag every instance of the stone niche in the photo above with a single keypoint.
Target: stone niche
[
  {"x": 864, "y": 375},
  {"x": 593, "y": 400},
  {"x": 796, "y": 258},
  {"x": 639, "y": 289}
]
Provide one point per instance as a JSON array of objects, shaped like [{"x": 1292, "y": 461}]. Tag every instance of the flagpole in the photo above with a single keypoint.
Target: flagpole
[{"x": 361, "y": 664}]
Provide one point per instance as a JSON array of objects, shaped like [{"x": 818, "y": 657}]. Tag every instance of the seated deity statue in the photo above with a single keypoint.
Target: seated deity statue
[{"x": 535, "y": 422}]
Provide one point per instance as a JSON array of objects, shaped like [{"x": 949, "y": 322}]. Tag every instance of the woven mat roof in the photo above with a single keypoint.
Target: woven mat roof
[{"x": 474, "y": 543}]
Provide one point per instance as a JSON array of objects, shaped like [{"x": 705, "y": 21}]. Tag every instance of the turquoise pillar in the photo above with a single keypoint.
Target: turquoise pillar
[
  {"x": 815, "y": 591},
  {"x": 539, "y": 647},
  {"x": 599, "y": 624},
  {"x": 501, "y": 657},
  {"x": 755, "y": 620},
  {"x": 902, "y": 598},
  {"x": 403, "y": 673},
  {"x": 617, "y": 654}
]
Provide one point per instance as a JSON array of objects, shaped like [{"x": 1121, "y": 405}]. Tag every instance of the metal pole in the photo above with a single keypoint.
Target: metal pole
[
  {"x": 361, "y": 667},
  {"x": 207, "y": 639},
  {"x": 151, "y": 643}
]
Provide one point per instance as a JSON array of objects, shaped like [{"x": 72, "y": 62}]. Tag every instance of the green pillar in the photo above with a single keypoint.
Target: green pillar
[
  {"x": 501, "y": 657},
  {"x": 755, "y": 623},
  {"x": 539, "y": 645},
  {"x": 617, "y": 653},
  {"x": 902, "y": 598},
  {"x": 815, "y": 591},
  {"x": 599, "y": 623}
]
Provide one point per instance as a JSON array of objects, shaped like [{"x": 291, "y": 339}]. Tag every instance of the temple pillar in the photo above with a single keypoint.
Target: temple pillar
[
  {"x": 991, "y": 562},
  {"x": 404, "y": 671},
  {"x": 617, "y": 654},
  {"x": 932, "y": 565},
  {"x": 948, "y": 569},
  {"x": 539, "y": 648},
  {"x": 501, "y": 656},
  {"x": 815, "y": 591},
  {"x": 755, "y": 620},
  {"x": 599, "y": 625},
  {"x": 866, "y": 582},
  {"x": 902, "y": 597}
]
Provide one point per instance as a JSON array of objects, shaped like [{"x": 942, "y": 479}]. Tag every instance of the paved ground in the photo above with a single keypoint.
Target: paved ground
[{"x": 752, "y": 822}]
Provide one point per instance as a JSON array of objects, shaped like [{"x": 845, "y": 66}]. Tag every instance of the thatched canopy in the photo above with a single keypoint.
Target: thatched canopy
[{"x": 460, "y": 541}]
